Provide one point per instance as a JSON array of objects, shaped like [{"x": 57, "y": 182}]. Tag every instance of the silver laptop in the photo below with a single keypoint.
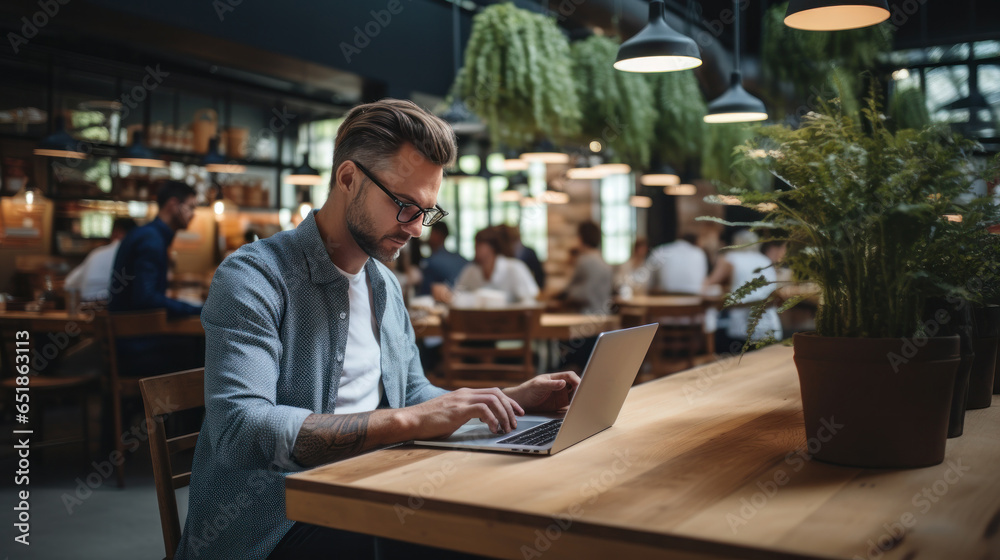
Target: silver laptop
[{"x": 609, "y": 374}]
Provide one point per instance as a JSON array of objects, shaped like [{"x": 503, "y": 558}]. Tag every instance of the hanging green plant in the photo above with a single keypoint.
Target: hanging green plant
[
  {"x": 680, "y": 125},
  {"x": 908, "y": 109},
  {"x": 617, "y": 106},
  {"x": 719, "y": 162},
  {"x": 517, "y": 77},
  {"x": 806, "y": 59}
]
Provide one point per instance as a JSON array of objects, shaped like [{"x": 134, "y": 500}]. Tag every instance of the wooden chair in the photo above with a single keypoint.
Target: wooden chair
[
  {"x": 49, "y": 386},
  {"x": 112, "y": 326},
  {"x": 681, "y": 332},
  {"x": 162, "y": 396},
  {"x": 488, "y": 347}
]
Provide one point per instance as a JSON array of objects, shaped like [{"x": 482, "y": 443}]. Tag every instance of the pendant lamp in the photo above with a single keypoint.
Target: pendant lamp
[
  {"x": 657, "y": 47},
  {"x": 834, "y": 15},
  {"x": 60, "y": 143},
  {"x": 305, "y": 174},
  {"x": 735, "y": 104},
  {"x": 215, "y": 162},
  {"x": 138, "y": 155},
  {"x": 661, "y": 175},
  {"x": 545, "y": 152}
]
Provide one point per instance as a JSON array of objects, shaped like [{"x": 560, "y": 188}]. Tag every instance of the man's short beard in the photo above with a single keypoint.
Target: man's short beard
[{"x": 361, "y": 226}]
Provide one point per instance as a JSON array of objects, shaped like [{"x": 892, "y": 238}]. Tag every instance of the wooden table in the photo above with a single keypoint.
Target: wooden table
[
  {"x": 708, "y": 463},
  {"x": 53, "y": 321},
  {"x": 552, "y": 326}
]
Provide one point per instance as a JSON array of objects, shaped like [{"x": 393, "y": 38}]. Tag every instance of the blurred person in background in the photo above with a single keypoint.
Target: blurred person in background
[
  {"x": 442, "y": 266},
  {"x": 632, "y": 276},
  {"x": 589, "y": 291},
  {"x": 525, "y": 254},
  {"x": 740, "y": 265},
  {"x": 679, "y": 267},
  {"x": 589, "y": 288},
  {"x": 492, "y": 270},
  {"x": 93, "y": 277},
  {"x": 139, "y": 283}
]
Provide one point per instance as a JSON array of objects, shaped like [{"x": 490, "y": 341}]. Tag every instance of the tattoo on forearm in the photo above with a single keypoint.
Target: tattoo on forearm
[{"x": 325, "y": 438}]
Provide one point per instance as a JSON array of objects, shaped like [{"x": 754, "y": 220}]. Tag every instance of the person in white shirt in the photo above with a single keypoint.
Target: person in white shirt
[
  {"x": 93, "y": 277},
  {"x": 679, "y": 267},
  {"x": 740, "y": 266},
  {"x": 492, "y": 270}
]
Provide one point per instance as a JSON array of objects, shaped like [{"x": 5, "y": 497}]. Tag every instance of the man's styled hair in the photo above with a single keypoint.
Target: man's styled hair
[
  {"x": 173, "y": 189},
  {"x": 374, "y": 132}
]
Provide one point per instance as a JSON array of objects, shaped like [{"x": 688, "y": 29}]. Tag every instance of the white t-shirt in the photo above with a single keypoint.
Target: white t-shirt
[
  {"x": 678, "y": 268},
  {"x": 93, "y": 277},
  {"x": 361, "y": 381},
  {"x": 510, "y": 276},
  {"x": 745, "y": 264}
]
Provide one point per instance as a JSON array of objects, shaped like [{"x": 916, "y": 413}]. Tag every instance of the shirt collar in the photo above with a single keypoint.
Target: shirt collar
[{"x": 321, "y": 268}]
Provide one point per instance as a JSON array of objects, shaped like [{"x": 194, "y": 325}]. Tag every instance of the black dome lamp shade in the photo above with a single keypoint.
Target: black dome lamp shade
[
  {"x": 834, "y": 15},
  {"x": 657, "y": 47},
  {"x": 60, "y": 143},
  {"x": 735, "y": 104},
  {"x": 138, "y": 155},
  {"x": 305, "y": 174}
]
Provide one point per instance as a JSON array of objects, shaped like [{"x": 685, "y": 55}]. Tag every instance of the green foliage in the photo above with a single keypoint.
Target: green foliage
[
  {"x": 720, "y": 164},
  {"x": 908, "y": 109},
  {"x": 617, "y": 106},
  {"x": 517, "y": 77},
  {"x": 807, "y": 59},
  {"x": 680, "y": 128},
  {"x": 865, "y": 212}
]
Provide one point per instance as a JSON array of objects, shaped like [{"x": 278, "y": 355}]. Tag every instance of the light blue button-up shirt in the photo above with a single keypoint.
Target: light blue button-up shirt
[{"x": 276, "y": 323}]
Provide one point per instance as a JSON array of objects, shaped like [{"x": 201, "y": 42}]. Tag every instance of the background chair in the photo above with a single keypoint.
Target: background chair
[
  {"x": 112, "y": 326},
  {"x": 162, "y": 396},
  {"x": 52, "y": 383},
  {"x": 488, "y": 347},
  {"x": 681, "y": 333}
]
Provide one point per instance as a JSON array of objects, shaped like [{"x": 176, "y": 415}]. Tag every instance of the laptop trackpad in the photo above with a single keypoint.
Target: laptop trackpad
[{"x": 475, "y": 429}]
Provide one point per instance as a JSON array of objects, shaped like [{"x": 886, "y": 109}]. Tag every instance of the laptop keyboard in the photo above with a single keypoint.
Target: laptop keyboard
[{"x": 542, "y": 434}]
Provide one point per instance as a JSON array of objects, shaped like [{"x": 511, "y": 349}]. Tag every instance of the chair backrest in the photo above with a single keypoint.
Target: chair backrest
[
  {"x": 162, "y": 396},
  {"x": 488, "y": 347},
  {"x": 113, "y": 326}
]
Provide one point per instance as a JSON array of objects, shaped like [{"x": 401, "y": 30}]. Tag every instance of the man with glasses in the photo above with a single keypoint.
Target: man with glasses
[{"x": 311, "y": 356}]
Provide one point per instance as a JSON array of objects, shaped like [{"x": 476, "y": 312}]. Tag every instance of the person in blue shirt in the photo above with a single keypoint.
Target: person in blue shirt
[
  {"x": 139, "y": 282},
  {"x": 443, "y": 266},
  {"x": 310, "y": 353}
]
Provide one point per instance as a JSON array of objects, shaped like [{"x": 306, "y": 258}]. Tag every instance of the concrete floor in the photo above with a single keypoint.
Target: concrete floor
[{"x": 68, "y": 519}]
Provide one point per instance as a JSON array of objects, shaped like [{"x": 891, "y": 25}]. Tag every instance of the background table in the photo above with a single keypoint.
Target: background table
[
  {"x": 552, "y": 326},
  {"x": 709, "y": 463}
]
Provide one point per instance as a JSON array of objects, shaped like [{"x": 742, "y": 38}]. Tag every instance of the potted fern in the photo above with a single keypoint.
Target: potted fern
[
  {"x": 517, "y": 77},
  {"x": 865, "y": 209}
]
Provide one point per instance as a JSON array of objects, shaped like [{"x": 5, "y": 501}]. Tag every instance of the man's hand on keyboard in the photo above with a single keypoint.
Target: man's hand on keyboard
[{"x": 545, "y": 393}]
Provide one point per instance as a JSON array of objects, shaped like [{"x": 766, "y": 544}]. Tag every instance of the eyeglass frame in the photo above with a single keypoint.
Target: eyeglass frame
[{"x": 435, "y": 218}]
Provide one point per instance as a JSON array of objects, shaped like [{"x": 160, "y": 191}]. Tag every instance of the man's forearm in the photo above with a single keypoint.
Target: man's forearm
[{"x": 324, "y": 438}]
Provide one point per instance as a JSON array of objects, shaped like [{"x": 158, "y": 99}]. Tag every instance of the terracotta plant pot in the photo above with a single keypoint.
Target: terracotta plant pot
[
  {"x": 984, "y": 366},
  {"x": 877, "y": 402}
]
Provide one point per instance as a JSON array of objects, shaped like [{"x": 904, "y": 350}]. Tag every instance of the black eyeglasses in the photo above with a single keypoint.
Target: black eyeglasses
[{"x": 407, "y": 211}]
